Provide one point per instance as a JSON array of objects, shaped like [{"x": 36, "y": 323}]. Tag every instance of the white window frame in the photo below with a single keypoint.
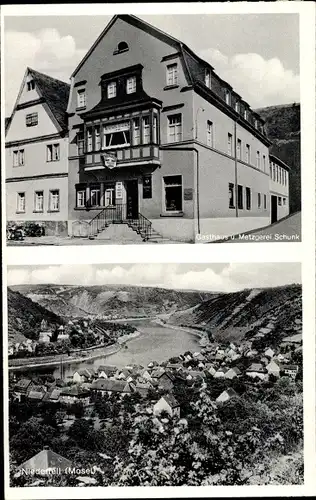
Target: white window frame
[
  {"x": 175, "y": 127},
  {"x": 18, "y": 158},
  {"x": 239, "y": 145},
  {"x": 111, "y": 90},
  {"x": 110, "y": 146},
  {"x": 54, "y": 194},
  {"x": 155, "y": 129},
  {"x": 172, "y": 74},
  {"x": 97, "y": 138},
  {"x": 81, "y": 98},
  {"x": 80, "y": 196},
  {"x": 21, "y": 208},
  {"x": 131, "y": 85},
  {"x": 230, "y": 144},
  {"x": 89, "y": 140},
  {"x": 136, "y": 131},
  {"x": 164, "y": 194},
  {"x": 146, "y": 130},
  {"x": 96, "y": 189},
  {"x": 209, "y": 134},
  {"x": 39, "y": 201},
  {"x": 53, "y": 152}
]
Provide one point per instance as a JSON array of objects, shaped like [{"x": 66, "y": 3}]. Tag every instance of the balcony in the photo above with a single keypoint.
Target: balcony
[{"x": 125, "y": 156}]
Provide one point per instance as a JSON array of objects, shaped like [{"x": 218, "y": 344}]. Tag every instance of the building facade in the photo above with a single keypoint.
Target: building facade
[
  {"x": 155, "y": 133},
  {"x": 279, "y": 189},
  {"x": 37, "y": 154}
]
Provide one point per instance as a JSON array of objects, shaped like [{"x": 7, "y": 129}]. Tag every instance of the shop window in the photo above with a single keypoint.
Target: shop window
[
  {"x": 20, "y": 203},
  {"x": 116, "y": 135},
  {"x": 248, "y": 198},
  {"x": 240, "y": 194},
  {"x": 54, "y": 200},
  {"x": 231, "y": 194},
  {"x": 173, "y": 193}
]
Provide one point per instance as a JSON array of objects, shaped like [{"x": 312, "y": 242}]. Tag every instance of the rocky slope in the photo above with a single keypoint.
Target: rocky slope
[
  {"x": 238, "y": 315},
  {"x": 283, "y": 126},
  {"x": 25, "y": 316},
  {"x": 109, "y": 300}
]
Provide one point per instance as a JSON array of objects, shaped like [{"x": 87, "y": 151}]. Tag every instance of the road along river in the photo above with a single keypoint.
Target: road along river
[{"x": 155, "y": 342}]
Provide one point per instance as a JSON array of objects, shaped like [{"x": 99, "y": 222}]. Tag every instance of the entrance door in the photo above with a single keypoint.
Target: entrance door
[
  {"x": 132, "y": 199},
  {"x": 274, "y": 209}
]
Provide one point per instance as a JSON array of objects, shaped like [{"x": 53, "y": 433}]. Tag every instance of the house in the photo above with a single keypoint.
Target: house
[
  {"x": 226, "y": 395},
  {"x": 73, "y": 394},
  {"x": 46, "y": 462},
  {"x": 37, "y": 393},
  {"x": 232, "y": 373},
  {"x": 279, "y": 188},
  {"x": 103, "y": 386},
  {"x": 104, "y": 371},
  {"x": 221, "y": 372},
  {"x": 22, "y": 388},
  {"x": 195, "y": 376},
  {"x": 142, "y": 388},
  {"x": 169, "y": 404},
  {"x": 83, "y": 375},
  {"x": 269, "y": 353},
  {"x": 130, "y": 114},
  {"x": 52, "y": 395},
  {"x": 274, "y": 367},
  {"x": 36, "y": 143},
  {"x": 209, "y": 367},
  {"x": 256, "y": 370},
  {"x": 165, "y": 381},
  {"x": 291, "y": 371}
]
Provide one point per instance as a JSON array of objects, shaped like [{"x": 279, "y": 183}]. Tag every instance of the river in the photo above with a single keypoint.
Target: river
[{"x": 155, "y": 343}]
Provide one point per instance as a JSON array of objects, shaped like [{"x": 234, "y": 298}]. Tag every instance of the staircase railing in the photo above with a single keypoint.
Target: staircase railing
[
  {"x": 108, "y": 215},
  {"x": 142, "y": 226},
  {"x": 117, "y": 215}
]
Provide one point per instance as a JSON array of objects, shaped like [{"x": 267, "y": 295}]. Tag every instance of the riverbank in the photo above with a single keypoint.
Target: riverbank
[
  {"x": 93, "y": 353},
  {"x": 192, "y": 331}
]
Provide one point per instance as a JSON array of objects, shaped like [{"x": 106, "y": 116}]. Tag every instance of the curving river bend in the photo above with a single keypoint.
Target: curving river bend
[{"x": 155, "y": 342}]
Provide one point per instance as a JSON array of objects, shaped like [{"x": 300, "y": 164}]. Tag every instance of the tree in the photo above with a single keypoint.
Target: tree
[{"x": 30, "y": 439}]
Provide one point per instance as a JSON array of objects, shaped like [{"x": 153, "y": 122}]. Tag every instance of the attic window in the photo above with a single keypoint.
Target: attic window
[
  {"x": 122, "y": 47},
  {"x": 30, "y": 85}
]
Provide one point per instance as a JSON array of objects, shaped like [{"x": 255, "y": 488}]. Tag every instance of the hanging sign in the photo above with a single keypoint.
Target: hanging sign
[{"x": 109, "y": 160}]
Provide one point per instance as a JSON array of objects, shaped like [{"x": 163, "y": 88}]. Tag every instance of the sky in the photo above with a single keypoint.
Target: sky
[
  {"x": 258, "y": 54},
  {"x": 219, "y": 277}
]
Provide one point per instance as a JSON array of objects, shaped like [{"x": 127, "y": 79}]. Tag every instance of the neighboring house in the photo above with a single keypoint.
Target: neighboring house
[
  {"x": 37, "y": 154},
  {"x": 226, "y": 395},
  {"x": 142, "y": 388},
  {"x": 37, "y": 393},
  {"x": 221, "y": 372},
  {"x": 140, "y": 121},
  {"x": 104, "y": 371},
  {"x": 108, "y": 386},
  {"x": 169, "y": 404},
  {"x": 44, "y": 337},
  {"x": 22, "y": 388},
  {"x": 46, "y": 462},
  {"x": 52, "y": 395},
  {"x": 83, "y": 375},
  {"x": 165, "y": 381},
  {"x": 291, "y": 371},
  {"x": 256, "y": 370},
  {"x": 210, "y": 369},
  {"x": 73, "y": 394},
  {"x": 279, "y": 188},
  {"x": 274, "y": 367},
  {"x": 232, "y": 373}
]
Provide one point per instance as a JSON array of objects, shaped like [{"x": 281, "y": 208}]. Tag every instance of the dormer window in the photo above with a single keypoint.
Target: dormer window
[
  {"x": 246, "y": 114},
  {"x": 172, "y": 74},
  {"x": 207, "y": 78},
  {"x": 81, "y": 98},
  {"x": 111, "y": 90},
  {"x": 30, "y": 85},
  {"x": 237, "y": 107},
  {"x": 131, "y": 85},
  {"x": 227, "y": 97}
]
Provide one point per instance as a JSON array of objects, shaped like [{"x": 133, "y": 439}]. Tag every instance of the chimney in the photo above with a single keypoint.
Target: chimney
[{"x": 46, "y": 447}]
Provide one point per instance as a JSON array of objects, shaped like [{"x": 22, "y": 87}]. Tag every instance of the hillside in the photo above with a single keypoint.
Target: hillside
[
  {"x": 108, "y": 300},
  {"x": 283, "y": 126},
  {"x": 237, "y": 315},
  {"x": 25, "y": 316}
]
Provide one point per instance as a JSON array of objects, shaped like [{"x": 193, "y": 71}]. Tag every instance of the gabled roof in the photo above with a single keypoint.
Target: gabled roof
[
  {"x": 256, "y": 367},
  {"x": 23, "y": 383},
  {"x": 110, "y": 385},
  {"x": 46, "y": 459},
  {"x": 171, "y": 400},
  {"x": 74, "y": 390}
]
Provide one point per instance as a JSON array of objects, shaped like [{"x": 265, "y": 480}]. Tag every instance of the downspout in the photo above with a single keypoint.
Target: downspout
[{"x": 236, "y": 176}]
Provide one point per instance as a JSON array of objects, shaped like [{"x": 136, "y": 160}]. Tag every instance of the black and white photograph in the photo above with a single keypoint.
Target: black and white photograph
[
  {"x": 152, "y": 129},
  {"x": 155, "y": 375}
]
